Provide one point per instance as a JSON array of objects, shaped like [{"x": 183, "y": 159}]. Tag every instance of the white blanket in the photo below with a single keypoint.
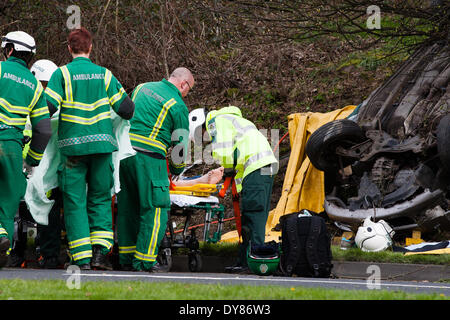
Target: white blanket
[
  {"x": 183, "y": 200},
  {"x": 45, "y": 176}
]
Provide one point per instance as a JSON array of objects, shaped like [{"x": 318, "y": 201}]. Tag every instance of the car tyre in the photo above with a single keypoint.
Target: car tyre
[
  {"x": 443, "y": 138},
  {"x": 322, "y": 143}
]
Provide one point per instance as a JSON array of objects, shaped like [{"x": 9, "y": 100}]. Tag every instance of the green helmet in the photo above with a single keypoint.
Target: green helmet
[{"x": 263, "y": 259}]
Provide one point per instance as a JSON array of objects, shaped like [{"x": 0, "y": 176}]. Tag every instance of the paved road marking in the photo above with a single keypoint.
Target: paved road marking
[{"x": 276, "y": 280}]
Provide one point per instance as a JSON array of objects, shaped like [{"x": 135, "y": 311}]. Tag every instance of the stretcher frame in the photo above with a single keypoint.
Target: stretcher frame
[{"x": 189, "y": 239}]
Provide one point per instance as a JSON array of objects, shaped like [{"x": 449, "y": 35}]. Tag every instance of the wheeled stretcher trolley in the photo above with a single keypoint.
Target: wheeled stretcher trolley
[{"x": 187, "y": 205}]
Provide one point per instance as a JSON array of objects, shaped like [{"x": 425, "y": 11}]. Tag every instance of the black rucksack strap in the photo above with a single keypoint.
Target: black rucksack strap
[
  {"x": 293, "y": 240},
  {"x": 311, "y": 245}
]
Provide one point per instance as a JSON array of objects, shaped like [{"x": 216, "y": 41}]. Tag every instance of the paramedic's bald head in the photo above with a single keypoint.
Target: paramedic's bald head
[{"x": 182, "y": 79}]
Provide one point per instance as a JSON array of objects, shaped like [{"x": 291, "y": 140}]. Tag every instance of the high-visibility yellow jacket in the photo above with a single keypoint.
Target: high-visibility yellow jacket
[{"x": 237, "y": 143}]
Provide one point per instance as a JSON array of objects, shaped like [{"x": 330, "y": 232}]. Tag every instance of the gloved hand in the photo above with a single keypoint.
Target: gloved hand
[{"x": 27, "y": 169}]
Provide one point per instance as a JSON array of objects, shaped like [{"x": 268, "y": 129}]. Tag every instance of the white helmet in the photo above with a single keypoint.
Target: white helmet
[
  {"x": 197, "y": 118},
  {"x": 22, "y": 41},
  {"x": 374, "y": 236},
  {"x": 43, "y": 69}
]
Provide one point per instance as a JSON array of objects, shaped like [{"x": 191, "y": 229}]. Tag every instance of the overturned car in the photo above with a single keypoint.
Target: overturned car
[{"x": 391, "y": 159}]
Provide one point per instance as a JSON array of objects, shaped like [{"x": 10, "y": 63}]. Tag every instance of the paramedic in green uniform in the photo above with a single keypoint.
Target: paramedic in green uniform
[
  {"x": 21, "y": 95},
  {"x": 85, "y": 93},
  {"x": 160, "y": 121},
  {"x": 246, "y": 154},
  {"x": 49, "y": 236}
]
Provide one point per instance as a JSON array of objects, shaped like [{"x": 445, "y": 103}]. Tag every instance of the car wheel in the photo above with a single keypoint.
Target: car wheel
[
  {"x": 443, "y": 138},
  {"x": 322, "y": 144}
]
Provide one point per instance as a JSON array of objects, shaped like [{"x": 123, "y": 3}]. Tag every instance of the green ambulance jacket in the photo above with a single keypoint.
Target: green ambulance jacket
[
  {"x": 85, "y": 93},
  {"x": 22, "y": 95},
  {"x": 161, "y": 120},
  {"x": 237, "y": 143}
]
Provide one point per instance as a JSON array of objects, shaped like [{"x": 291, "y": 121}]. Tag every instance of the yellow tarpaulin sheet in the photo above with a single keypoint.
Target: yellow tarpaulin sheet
[{"x": 303, "y": 186}]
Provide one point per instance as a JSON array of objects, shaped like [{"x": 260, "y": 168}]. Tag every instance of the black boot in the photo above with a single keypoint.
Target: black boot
[
  {"x": 158, "y": 268},
  {"x": 15, "y": 260},
  {"x": 99, "y": 260},
  {"x": 4, "y": 246}
]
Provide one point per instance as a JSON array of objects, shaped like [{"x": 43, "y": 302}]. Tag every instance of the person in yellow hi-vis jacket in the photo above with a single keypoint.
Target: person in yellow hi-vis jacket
[
  {"x": 245, "y": 153},
  {"x": 21, "y": 95}
]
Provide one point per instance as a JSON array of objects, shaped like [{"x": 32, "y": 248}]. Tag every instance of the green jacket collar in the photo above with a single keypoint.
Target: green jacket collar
[
  {"x": 81, "y": 59},
  {"x": 20, "y": 61},
  {"x": 172, "y": 87}
]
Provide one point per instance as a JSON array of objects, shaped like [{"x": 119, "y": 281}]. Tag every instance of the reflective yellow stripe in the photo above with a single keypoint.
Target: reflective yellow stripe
[
  {"x": 148, "y": 141},
  {"x": 108, "y": 77},
  {"x": 12, "y": 121},
  {"x": 39, "y": 112},
  {"x": 86, "y": 121},
  {"x": 257, "y": 157},
  {"x": 102, "y": 234},
  {"x": 138, "y": 88},
  {"x": 13, "y": 109},
  {"x": 82, "y": 255},
  {"x": 54, "y": 95},
  {"x": 162, "y": 115},
  {"x": 35, "y": 155},
  {"x": 117, "y": 96},
  {"x": 155, "y": 231},
  {"x": 178, "y": 166},
  {"x": 68, "y": 83},
  {"x": 85, "y": 106},
  {"x": 37, "y": 94},
  {"x": 101, "y": 242},
  {"x": 79, "y": 242},
  {"x": 125, "y": 250},
  {"x": 3, "y": 231},
  {"x": 145, "y": 257}
]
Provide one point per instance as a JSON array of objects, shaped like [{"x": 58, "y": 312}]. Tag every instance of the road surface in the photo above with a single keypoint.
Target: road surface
[{"x": 229, "y": 279}]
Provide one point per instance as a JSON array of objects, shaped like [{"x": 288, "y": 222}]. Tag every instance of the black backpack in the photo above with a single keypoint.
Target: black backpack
[{"x": 305, "y": 246}]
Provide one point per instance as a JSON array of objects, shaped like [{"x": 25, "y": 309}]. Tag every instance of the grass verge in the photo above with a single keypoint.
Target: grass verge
[
  {"x": 18, "y": 289},
  {"x": 355, "y": 254},
  {"x": 351, "y": 254}
]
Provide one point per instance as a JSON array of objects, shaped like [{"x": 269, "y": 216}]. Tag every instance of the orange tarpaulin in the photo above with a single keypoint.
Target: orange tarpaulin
[{"x": 303, "y": 186}]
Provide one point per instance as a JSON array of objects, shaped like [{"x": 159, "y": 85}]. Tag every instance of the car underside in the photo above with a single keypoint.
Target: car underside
[{"x": 391, "y": 159}]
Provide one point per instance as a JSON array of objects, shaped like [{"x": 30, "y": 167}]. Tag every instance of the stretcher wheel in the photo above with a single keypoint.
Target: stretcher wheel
[
  {"x": 165, "y": 258},
  {"x": 195, "y": 262}
]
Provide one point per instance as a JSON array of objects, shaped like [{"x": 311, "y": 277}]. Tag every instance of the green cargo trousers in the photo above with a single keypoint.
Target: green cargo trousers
[
  {"x": 85, "y": 183},
  {"x": 142, "y": 207},
  {"x": 255, "y": 205},
  {"x": 12, "y": 185}
]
